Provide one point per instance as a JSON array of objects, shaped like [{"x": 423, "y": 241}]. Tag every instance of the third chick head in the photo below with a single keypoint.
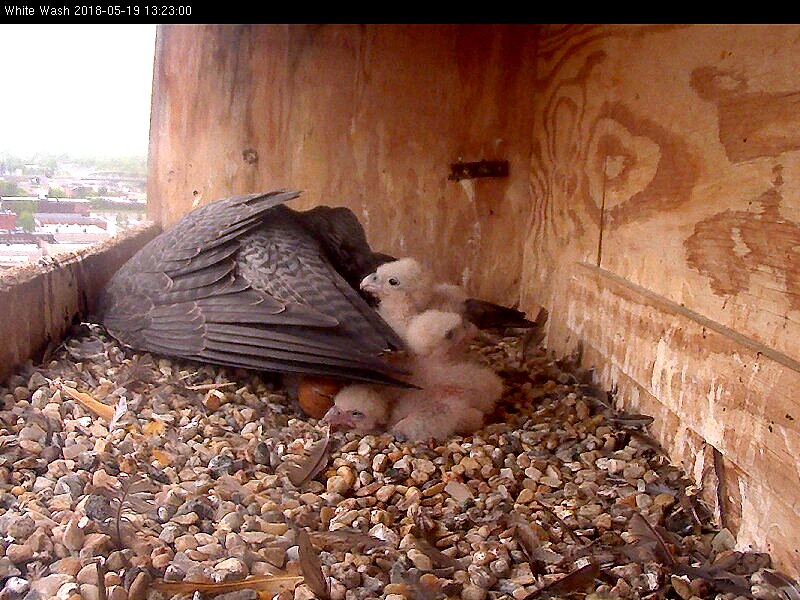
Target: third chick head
[{"x": 359, "y": 407}]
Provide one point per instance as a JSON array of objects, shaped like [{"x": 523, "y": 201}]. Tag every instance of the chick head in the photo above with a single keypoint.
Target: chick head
[
  {"x": 400, "y": 277},
  {"x": 358, "y": 407},
  {"x": 435, "y": 332}
]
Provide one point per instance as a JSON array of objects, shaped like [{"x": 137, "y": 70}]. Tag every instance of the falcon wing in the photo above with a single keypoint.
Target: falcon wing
[{"x": 240, "y": 283}]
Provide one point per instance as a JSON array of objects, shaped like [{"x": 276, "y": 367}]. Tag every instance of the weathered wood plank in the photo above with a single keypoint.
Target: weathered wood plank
[
  {"x": 39, "y": 303},
  {"x": 710, "y": 386},
  {"x": 697, "y": 148},
  {"x": 370, "y": 117}
]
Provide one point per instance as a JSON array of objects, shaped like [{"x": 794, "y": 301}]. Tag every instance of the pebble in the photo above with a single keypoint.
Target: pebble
[
  {"x": 338, "y": 485},
  {"x": 49, "y": 585},
  {"x": 420, "y": 560},
  {"x": 88, "y": 574},
  {"x": 724, "y": 540},
  {"x": 473, "y": 592},
  {"x": 213, "y": 508},
  {"x": 458, "y": 491},
  {"x": 139, "y": 586}
]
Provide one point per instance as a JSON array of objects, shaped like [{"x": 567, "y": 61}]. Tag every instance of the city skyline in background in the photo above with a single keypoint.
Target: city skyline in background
[
  {"x": 74, "y": 129},
  {"x": 82, "y": 90}
]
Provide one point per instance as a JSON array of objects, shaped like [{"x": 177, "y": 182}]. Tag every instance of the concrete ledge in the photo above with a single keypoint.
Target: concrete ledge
[{"x": 39, "y": 302}]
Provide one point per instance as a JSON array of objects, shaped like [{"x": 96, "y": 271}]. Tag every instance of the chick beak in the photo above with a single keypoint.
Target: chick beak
[
  {"x": 338, "y": 419},
  {"x": 370, "y": 284}
]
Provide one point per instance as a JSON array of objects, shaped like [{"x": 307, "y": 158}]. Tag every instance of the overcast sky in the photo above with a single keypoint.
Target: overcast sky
[{"x": 81, "y": 89}]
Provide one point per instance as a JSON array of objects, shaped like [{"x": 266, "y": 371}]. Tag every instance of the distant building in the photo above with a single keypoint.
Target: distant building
[
  {"x": 8, "y": 220},
  {"x": 21, "y": 247},
  {"x": 25, "y": 237},
  {"x": 15, "y": 255},
  {"x": 69, "y": 223},
  {"x": 80, "y": 206}
]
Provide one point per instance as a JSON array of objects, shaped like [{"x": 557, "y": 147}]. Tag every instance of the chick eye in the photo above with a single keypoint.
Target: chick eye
[
  {"x": 356, "y": 413},
  {"x": 449, "y": 335},
  {"x": 393, "y": 281}
]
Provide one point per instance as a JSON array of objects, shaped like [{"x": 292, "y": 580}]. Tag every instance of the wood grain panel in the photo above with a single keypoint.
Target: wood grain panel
[
  {"x": 702, "y": 170},
  {"x": 369, "y": 117},
  {"x": 700, "y": 382}
]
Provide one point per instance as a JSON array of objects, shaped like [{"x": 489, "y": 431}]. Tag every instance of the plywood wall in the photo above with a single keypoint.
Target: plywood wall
[
  {"x": 666, "y": 163},
  {"x": 369, "y": 117},
  {"x": 651, "y": 203}
]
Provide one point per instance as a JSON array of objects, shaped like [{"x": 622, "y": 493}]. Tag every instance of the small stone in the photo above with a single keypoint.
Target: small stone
[
  {"x": 95, "y": 543},
  {"x": 117, "y": 592},
  {"x": 221, "y": 464},
  {"x": 420, "y": 560},
  {"x": 88, "y": 574},
  {"x": 189, "y": 518},
  {"x": 74, "y": 451},
  {"x": 633, "y": 471},
  {"x": 473, "y": 592},
  {"x": 338, "y": 485},
  {"x": 21, "y": 528},
  {"x": 526, "y": 496},
  {"x": 603, "y": 521},
  {"x": 32, "y": 433},
  {"x": 138, "y": 589},
  {"x": 458, "y": 491},
  {"x": 628, "y": 572},
  {"x": 68, "y": 591},
  {"x": 614, "y": 465},
  {"x": 499, "y": 567},
  {"x": 48, "y": 586},
  {"x": 681, "y": 586},
  {"x": 380, "y": 463},
  {"x": 232, "y": 569},
  {"x": 89, "y": 591},
  {"x": 522, "y": 574},
  {"x": 310, "y": 499},
  {"x": 231, "y": 522},
  {"x": 481, "y": 576},
  {"x": 117, "y": 560},
  {"x": 14, "y": 588},
  {"x": 274, "y": 528},
  {"x": 552, "y": 482},
  {"x": 73, "y": 535},
  {"x": 20, "y": 553},
  {"x": 69, "y": 565},
  {"x": 385, "y": 492},
  {"x": 664, "y": 500},
  {"x": 37, "y": 380},
  {"x": 161, "y": 557},
  {"x": 71, "y": 484},
  {"x": 274, "y": 556},
  {"x": 724, "y": 540}
]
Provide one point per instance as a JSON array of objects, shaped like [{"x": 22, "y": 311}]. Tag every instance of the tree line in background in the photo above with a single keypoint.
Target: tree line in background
[{"x": 47, "y": 164}]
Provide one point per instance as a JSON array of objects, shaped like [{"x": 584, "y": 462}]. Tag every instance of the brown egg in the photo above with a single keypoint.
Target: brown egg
[{"x": 316, "y": 395}]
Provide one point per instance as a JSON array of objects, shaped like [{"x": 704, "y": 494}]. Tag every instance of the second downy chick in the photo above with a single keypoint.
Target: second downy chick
[{"x": 456, "y": 393}]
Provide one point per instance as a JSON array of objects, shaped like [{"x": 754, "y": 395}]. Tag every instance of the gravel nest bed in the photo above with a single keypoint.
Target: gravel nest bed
[{"x": 561, "y": 496}]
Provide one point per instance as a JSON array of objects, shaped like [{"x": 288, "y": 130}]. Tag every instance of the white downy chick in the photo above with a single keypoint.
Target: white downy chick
[
  {"x": 364, "y": 408},
  {"x": 404, "y": 289},
  {"x": 456, "y": 393}
]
